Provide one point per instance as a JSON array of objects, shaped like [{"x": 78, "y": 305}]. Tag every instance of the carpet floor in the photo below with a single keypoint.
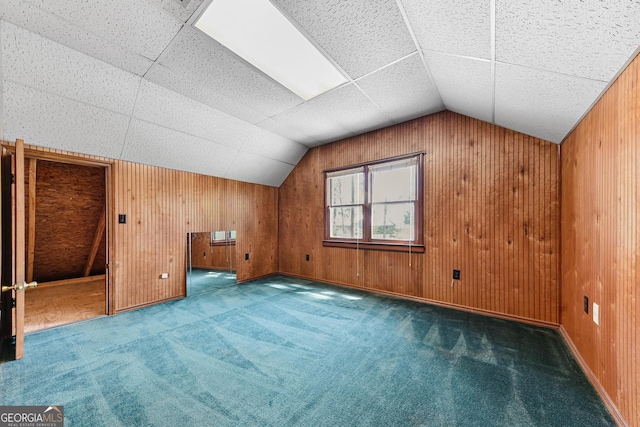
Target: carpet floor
[{"x": 281, "y": 351}]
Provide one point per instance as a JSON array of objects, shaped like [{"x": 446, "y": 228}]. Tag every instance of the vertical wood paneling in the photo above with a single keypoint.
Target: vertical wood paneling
[
  {"x": 162, "y": 206},
  {"x": 491, "y": 210},
  {"x": 600, "y": 228}
]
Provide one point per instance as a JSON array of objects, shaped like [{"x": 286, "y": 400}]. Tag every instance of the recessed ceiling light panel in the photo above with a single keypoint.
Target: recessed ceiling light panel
[{"x": 257, "y": 32}]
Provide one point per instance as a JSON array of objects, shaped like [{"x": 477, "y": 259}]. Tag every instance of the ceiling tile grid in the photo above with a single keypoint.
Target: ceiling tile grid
[
  {"x": 87, "y": 70},
  {"x": 151, "y": 144},
  {"x": 32, "y": 60},
  {"x": 459, "y": 27},
  {"x": 54, "y": 28},
  {"x": 165, "y": 77},
  {"x": 464, "y": 84},
  {"x": 360, "y": 36},
  {"x": 179, "y": 11},
  {"x": 294, "y": 134},
  {"x": 136, "y": 25},
  {"x": 272, "y": 146},
  {"x": 316, "y": 119},
  {"x": 540, "y": 103},
  {"x": 51, "y": 121},
  {"x": 166, "y": 108},
  {"x": 587, "y": 38},
  {"x": 169, "y": 109},
  {"x": 249, "y": 167},
  {"x": 199, "y": 59},
  {"x": 403, "y": 90}
]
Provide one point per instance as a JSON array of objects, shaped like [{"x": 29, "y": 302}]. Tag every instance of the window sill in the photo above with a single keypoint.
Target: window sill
[{"x": 391, "y": 247}]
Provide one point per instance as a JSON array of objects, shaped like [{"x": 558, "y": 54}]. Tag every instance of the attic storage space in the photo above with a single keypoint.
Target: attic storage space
[{"x": 65, "y": 243}]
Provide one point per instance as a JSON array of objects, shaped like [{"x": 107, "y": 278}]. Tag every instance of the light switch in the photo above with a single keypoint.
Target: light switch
[{"x": 596, "y": 313}]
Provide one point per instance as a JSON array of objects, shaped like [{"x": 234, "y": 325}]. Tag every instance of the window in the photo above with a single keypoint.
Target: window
[{"x": 375, "y": 206}]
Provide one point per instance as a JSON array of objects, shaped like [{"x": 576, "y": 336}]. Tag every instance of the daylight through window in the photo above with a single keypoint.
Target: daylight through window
[{"x": 377, "y": 205}]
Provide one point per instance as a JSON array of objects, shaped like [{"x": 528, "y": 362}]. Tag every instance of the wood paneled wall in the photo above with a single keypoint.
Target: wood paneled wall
[
  {"x": 162, "y": 205},
  {"x": 205, "y": 255},
  {"x": 601, "y": 240},
  {"x": 491, "y": 210}
]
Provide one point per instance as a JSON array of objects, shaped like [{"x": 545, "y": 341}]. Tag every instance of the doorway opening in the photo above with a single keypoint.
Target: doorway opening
[{"x": 66, "y": 242}]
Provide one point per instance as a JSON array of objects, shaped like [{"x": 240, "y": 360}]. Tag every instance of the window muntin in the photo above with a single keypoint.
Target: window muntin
[{"x": 378, "y": 203}]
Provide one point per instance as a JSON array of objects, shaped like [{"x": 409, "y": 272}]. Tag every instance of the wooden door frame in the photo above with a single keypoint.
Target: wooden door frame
[{"x": 108, "y": 165}]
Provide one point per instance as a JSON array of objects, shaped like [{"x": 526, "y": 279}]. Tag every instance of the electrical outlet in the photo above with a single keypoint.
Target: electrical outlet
[
  {"x": 456, "y": 274},
  {"x": 246, "y": 257},
  {"x": 586, "y": 304},
  {"x": 164, "y": 276},
  {"x": 307, "y": 257},
  {"x": 596, "y": 313}
]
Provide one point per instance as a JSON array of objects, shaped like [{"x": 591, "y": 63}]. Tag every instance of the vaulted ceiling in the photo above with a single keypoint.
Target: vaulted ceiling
[{"x": 135, "y": 80}]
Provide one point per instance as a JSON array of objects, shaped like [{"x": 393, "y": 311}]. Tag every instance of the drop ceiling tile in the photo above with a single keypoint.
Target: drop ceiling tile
[
  {"x": 52, "y": 27},
  {"x": 542, "y": 104},
  {"x": 249, "y": 167},
  {"x": 51, "y": 121},
  {"x": 197, "y": 57},
  {"x": 361, "y": 36},
  {"x": 403, "y": 90},
  {"x": 349, "y": 107},
  {"x": 589, "y": 38},
  {"x": 341, "y": 113},
  {"x": 464, "y": 84},
  {"x": 290, "y": 133},
  {"x": 193, "y": 89},
  {"x": 276, "y": 147},
  {"x": 174, "y": 7},
  {"x": 459, "y": 27},
  {"x": 135, "y": 25},
  {"x": 155, "y": 145},
  {"x": 32, "y": 60},
  {"x": 167, "y": 108}
]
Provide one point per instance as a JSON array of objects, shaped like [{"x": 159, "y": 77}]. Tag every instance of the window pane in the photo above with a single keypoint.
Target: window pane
[
  {"x": 346, "y": 222},
  {"x": 346, "y": 189},
  {"x": 392, "y": 221},
  {"x": 397, "y": 183}
]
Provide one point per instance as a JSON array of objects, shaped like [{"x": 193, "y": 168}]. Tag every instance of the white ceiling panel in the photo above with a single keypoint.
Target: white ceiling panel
[
  {"x": 361, "y": 36},
  {"x": 43, "y": 64},
  {"x": 249, "y": 167},
  {"x": 588, "y": 38},
  {"x": 313, "y": 118},
  {"x": 341, "y": 112},
  {"x": 88, "y": 68},
  {"x": 148, "y": 143},
  {"x": 464, "y": 84},
  {"x": 195, "y": 56},
  {"x": 181, "y": 12},
  {"x": 403, "y": 90},
  {"x": 542, "y": 104},
  {"x": 267, "y": 144},
  {"x": 51, "y": 121},
  {"x": 294, "y": 134},
  {"x": 193, "y": 89},
  {"x": 459, "y": 27},
  {"x": 350, "y": 108},
  {"x": 167, "y": 108},
  {"x": 52, "y": 27},
  {"x": 135, "y": 25}
]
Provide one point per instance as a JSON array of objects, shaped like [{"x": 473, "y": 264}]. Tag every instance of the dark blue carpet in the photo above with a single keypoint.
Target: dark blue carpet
[{"x": 287, "y": 352}]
